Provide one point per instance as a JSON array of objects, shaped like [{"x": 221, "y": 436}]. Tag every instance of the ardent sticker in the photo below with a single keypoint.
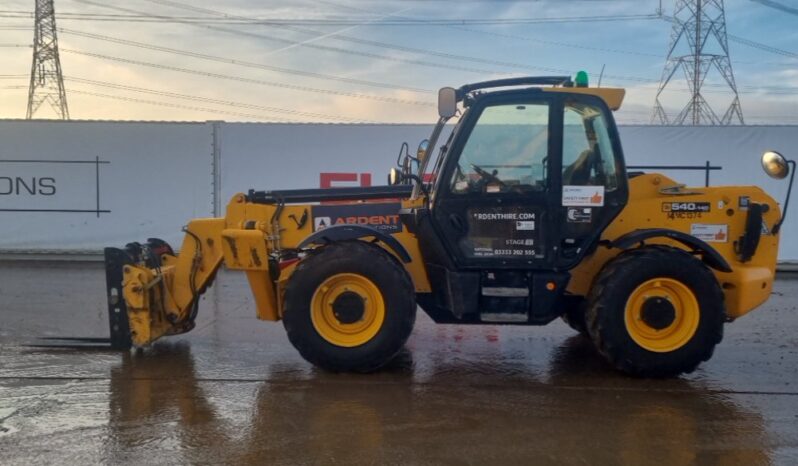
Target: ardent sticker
[
  {"x": 583, "y": 196},
  {"x": 711, "y": 233},
  {"x": 381, "y": 216},
  {"x": 525, "y": 225},
  {"x": 320, "y": 223}
]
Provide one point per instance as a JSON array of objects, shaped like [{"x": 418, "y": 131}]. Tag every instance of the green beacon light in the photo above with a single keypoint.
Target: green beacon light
[{"x": 581, "y": 79}]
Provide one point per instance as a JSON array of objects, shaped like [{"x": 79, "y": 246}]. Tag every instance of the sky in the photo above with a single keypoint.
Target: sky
[{"x": 342, "y": 61}]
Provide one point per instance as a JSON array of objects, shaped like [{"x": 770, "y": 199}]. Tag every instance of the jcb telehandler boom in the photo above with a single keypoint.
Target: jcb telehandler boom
[{"x": 530, "y": 215}]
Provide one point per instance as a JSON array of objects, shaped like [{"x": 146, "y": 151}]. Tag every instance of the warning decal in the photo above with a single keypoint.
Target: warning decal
[
  {"x": 583, "y": 196},
  {"x": 580, "y": 215},
  {"x": 711, "y": 233}
]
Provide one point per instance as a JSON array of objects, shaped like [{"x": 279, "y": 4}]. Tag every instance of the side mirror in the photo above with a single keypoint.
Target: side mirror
[
  {"x": 778, "y": 167},
  {"x": 775, "y": 165},
  {"x": 447, "y": 102},
  {"x": 422, "y": 150},
  {"x": 394, "y": 176}
]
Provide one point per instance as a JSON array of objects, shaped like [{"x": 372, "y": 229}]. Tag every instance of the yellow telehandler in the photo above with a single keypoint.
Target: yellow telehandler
[{"x": 527, "y": 214}]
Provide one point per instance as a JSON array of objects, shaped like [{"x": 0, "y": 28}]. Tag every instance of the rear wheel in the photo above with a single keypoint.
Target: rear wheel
[
  {"x": 656, "y": 312},
  {"x": 349, "y": 306}
]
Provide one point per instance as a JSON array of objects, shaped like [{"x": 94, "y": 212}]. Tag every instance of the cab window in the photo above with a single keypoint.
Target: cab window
[
  {"x": 588, "y": 157},
  {"x": 507, "y": 151}
]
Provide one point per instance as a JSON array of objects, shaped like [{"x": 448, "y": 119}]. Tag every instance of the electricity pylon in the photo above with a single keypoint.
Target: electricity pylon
[
  {"x": 701, "y": 26},
  {"x": 46, "y": 80}
]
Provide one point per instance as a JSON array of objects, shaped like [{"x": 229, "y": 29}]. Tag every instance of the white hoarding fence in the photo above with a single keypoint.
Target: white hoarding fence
[
  {"x": 285, "y": 156},
  {"x": 85, "y": 185},
  {"x": 80, "y": 186}
]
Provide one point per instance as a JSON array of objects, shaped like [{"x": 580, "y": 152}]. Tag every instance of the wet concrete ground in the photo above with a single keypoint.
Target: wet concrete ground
[{"x": 235, "y": 391}]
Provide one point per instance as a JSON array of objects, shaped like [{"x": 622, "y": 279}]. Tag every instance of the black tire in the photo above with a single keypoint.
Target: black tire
[
  {"x": 574, "y": 316},
  {"x": 614, "y": 286},
  {"x": 369, "y": 261}
]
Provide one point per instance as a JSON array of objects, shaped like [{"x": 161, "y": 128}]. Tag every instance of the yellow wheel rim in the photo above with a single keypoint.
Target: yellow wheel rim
[
  {"x": 662, "y": 315},
  {"x": 347, "y": 310}
]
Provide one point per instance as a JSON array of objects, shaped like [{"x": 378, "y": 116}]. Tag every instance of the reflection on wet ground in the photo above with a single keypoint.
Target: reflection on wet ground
[{"x": 234, "y": 391}]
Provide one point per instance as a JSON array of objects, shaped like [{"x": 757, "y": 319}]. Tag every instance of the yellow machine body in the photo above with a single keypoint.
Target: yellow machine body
[
  {"x": 242, "y": 240},
  {"x": 530, "y": 216},
  {"x": 245, "y": 238},
  {"x": 651, "y": 205}
]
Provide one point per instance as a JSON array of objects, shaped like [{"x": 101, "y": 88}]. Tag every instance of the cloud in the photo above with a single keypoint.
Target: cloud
[{"x": 635, "y": 36}]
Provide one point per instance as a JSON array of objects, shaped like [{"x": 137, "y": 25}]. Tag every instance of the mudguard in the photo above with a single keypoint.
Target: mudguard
[
  {"x": 346, "y": 232},
  {"x": 709, "y": 255}
]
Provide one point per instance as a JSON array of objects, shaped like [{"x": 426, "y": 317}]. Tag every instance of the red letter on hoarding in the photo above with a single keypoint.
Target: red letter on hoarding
[{"x": 326, "y": 180}]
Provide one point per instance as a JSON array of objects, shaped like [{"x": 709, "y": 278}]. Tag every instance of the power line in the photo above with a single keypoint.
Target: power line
[
  {"x": 558, "y": 70},
  {"x": 507, "y": 35},
  {"x": 244, "y": 63},
  {"x": 250, "y": 80},
  {"x": 322, "y": 47},
  {"x": 180, "y": 106},
  {"x": 227, "y": 103},
  {"x": 343, "y": 21},
  {"x": 288, "y": 47},
  {"x": 750, "y": 43},
  {"x": 639, "y": 79},
  {"x": 385, "y": 45},
  {"x": 181, "y": 5},
  {"x": 761, "y": 46},
  {"x": 326, "y": 91},
  {"x": 376, "y": 44},
  {"x": 778, "y": 6}
]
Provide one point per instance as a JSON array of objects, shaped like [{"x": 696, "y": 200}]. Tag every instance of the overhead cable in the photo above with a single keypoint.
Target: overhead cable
[
  {"x": 227, "y": 103},
  {"x": 243, "y": 63},
  {"x": 250, "y": 80}
]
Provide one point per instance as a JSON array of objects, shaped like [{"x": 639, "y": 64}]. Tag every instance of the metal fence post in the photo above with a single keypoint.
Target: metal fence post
[{"x": 216, "y": 129}]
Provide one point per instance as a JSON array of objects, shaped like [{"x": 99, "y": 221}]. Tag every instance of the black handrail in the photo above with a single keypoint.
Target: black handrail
[
  {"x": 524, "y": 81},
  {"x": 707, "y": 168}
]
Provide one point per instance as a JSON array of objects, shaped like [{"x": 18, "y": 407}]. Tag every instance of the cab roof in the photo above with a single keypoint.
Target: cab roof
[{"x": 612, "y": 96}]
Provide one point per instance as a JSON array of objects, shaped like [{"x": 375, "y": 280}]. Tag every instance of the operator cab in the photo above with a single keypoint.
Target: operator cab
[{"x": 526, "y": 183}]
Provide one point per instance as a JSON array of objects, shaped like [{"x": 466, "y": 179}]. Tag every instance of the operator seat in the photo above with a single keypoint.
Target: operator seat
[{"x": 578, "y": 173}]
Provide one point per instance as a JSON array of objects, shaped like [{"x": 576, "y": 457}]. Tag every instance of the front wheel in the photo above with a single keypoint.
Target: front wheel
[
  {"x": 656, "y": 311},
  {"x": 349, "y": 306}
]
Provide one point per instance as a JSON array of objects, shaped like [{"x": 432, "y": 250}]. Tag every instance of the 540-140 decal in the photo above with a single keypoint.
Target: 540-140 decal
[{"x": 686, "y": 210}]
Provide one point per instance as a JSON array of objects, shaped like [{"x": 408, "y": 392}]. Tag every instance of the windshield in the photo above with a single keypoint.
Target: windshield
[
  {"x": 442, "y": 126},
  {"x": 443, "y": 148},
  {"x": 507, "y": 150}
]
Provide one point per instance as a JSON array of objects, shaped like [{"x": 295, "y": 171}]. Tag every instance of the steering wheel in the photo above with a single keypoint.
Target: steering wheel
[{"x": 488, "y": 176}]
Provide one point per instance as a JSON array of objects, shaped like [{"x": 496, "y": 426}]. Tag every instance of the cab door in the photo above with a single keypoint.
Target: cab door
[
  {"x": 495, "y": 199},
  {"x": 593, "y": 177}
]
